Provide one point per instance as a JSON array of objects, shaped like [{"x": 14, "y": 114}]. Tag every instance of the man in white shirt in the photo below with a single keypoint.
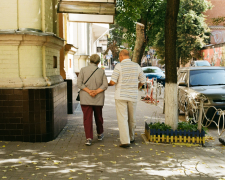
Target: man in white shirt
[{"x": 128, "y": 77}]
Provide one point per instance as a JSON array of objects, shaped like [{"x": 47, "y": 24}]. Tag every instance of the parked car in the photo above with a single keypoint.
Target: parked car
[
  {"x": 200, "y": 63},
  {"x": 154, "y": 72},
  {"x": 196, "y": 81}
]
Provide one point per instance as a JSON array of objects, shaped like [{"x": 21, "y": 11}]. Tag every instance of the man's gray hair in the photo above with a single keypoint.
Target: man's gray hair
[{"x": 95, "y": 58}]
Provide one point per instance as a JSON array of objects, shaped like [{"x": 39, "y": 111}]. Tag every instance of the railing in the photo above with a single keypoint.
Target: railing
[
  {"x": 193, "y": 106},
  {"x": 181, "y": 136},
  {"x": 197, "y": 112}
]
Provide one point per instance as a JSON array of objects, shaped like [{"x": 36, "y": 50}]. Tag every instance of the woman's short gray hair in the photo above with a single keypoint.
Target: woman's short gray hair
[{"x": 95, "y": 58}]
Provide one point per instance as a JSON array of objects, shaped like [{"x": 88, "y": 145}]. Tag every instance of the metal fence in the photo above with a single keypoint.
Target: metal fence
[
  {"x": 196, "y": 111},
  {"x": 193, "y": 107}
]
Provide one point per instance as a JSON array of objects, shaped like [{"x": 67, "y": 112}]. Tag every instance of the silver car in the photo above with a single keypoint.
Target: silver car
[
  {"x": 194, "y": 82},
  {"x": 200, "y": 63}
]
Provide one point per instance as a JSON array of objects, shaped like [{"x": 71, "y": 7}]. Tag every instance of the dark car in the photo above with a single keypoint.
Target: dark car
[
  {"x": 154, "y": 72},
  {"x": 194, "y": 82}
]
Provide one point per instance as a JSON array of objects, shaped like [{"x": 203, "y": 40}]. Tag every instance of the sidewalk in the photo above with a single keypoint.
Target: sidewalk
[{"x": 67, "y": 157}]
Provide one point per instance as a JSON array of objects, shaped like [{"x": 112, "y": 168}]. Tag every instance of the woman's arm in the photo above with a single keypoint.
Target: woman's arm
[
  {"x": 83, "y": 86},
  {"x": 80, "y": 80}
]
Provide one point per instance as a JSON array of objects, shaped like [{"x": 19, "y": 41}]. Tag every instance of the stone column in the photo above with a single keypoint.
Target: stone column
[{"x": 33, "y": 104}]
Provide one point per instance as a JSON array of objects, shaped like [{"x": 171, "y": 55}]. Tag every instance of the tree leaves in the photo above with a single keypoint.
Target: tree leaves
[
  {"x": 192, "y": 31},
  {"x": 128, "y": 12}
]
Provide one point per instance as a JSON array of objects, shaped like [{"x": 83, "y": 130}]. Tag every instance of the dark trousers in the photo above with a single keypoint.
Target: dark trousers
[{"x": 88, "y": 122}]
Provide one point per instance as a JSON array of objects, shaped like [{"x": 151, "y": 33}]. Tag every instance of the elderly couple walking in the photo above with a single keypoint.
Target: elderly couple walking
[{"x": 127, "y": 76}]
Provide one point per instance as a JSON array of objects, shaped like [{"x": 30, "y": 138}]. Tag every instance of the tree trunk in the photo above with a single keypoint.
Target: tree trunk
[
  {"x": 171, "y": 103},
  {"x": 139, "y": 44},
  {"x": 178, "y": 58}
]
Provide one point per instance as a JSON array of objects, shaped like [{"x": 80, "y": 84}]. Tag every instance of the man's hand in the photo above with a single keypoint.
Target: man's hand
[
  {"x": 140, "y": 85},
  {"x": 111, "y": 83}
]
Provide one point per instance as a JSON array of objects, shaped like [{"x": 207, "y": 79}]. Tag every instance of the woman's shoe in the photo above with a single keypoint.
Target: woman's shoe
[
  {"x": 88, "y": 142},
  {"x": 100, "y": 137}
]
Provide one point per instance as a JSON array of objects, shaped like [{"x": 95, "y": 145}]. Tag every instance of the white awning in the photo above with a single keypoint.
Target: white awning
[
  {"x": 89, "y": 18},
  {"x": 87, "y": 7},
  {"x": 99, "y": 30},
  {"x": 105, "y": 1}
]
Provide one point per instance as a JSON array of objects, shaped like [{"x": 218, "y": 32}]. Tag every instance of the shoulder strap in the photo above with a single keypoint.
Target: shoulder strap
[{"x": 91, "y": 75}]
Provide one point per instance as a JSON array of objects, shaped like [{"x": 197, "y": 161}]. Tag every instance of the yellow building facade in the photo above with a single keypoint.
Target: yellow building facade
[{"x": 32, "y": 91}]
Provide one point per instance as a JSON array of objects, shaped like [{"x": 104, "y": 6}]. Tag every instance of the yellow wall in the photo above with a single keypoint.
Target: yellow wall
[
  {"x": 30, "y": 14},
  {"x": 8, "y": 14},
  {"x": 9, "y": 62},
  {"x": 28, "y": 59},
  {"x": 82, "y": 63},
  {"x": 48, "y": 16},
  {"x": 49, "y": 53},
  {"x": 30, "y": 63},
  {"x": 34, "y": 14}
]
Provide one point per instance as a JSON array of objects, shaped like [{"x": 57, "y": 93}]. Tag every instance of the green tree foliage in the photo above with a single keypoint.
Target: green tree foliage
[
  {"x": 192, "y": 31},
  {"x": 115, "y": 39},
  {"x": 115, "y": 34},
  {"x": 218, "y": 20},
  {"x": 148, "y": 12}
]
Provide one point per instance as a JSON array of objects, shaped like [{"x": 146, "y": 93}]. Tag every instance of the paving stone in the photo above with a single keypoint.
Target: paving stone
[{"x": 68, "y": 157}]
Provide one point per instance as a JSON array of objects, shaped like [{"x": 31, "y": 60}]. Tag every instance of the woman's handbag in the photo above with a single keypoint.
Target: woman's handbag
[{"x": 78, "y": 95}]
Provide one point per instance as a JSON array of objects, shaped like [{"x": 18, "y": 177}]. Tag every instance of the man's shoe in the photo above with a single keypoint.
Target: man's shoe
[
  {"x": 124, "y": 145},
  {"x": 222, "y": 141},
  {"x": 100, "y": 137},
  {"x": 88, "y": 142},
  {"x": 132, "y": 141}
]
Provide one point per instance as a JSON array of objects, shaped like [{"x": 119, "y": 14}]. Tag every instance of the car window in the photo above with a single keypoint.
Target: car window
[
  {"x": 151, "y": 70},
  {"x": 202, "y": 63},
  {"x": 182, "y": 76},
  {"x": 207, "y": 77}
]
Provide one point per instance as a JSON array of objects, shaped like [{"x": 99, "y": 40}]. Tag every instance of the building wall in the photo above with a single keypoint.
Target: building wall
[
  {"x": 49, "y": 53},
  {"x": 42, "y": 14},
  {"x": 214, "y": 55},
  {"x": 30, "y": 63},
  {"x": 8, "y": 14},
  {"x": 216, "y": 11},
  {"x": 33, "y": 96},
  {"x": 34, "y": 9},
  {"x": 33, "y": 115},
  {"x": 218, "y": 31},
  {"x": 9, "y": 62},
  {"x": 31, "y": 60},
  {"x": 48, "y": 9}
]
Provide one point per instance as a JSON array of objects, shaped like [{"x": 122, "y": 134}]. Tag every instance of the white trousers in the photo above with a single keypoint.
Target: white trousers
[{"x": 126, "y": 117}]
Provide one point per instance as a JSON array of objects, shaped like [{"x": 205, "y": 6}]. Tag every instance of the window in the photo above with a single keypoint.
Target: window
[
  {"x": 207, "y": 77},
  {"x": 99, "y": 49},
  {"x": 54, "y": 61},
  {"x": 182, "y": 77}
]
